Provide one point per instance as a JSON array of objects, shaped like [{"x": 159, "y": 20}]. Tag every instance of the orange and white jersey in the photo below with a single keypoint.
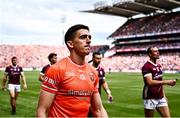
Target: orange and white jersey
[{"x": 73, "y": 85}]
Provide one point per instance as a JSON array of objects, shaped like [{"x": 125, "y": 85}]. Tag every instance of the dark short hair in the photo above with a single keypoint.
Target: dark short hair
[
  {"x": 51, "y": 55},
  {"x": 72, "y": 30},
  {"x": 96, "y": 53},
  {"x": 13, "y": 58},
  {"x": 149, "y": 50}
]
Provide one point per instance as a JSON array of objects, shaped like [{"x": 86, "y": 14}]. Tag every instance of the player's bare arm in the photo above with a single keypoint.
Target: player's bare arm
[
  {"x": 107, "y": 90},
  {"x": 41, "y": 77},
  {"x": 97, "y": 107},
  {"x": 23, "y": 80},
  {"x": 45, "y": 101},
  {"x": 151, "y": 82},
  {"x": 4, "y": 81}
]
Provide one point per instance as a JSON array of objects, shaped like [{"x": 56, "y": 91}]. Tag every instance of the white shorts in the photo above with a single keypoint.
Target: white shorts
[
  {"x": 154, "y": 103},
  {"x": 15, "y": 87}
]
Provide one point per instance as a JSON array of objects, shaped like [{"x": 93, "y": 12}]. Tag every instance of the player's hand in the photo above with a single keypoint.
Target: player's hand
[
  {"x": 24, "y": 86},
  {"x": 110, "y": 98},
  {"x": 3, "y": 88},
  {"x": 171, "y": 82},
  {"x": 166, "y": 98}
]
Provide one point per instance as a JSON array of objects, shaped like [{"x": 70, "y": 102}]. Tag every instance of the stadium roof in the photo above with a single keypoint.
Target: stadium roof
[{"x": 129, "y": 8}]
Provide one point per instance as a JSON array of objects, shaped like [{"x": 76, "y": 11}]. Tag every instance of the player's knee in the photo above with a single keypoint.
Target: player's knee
[{"x": 12, "y": 97}]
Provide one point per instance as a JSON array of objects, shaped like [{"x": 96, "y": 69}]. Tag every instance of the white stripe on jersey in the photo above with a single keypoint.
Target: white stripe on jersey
[
  {"x": 148, "y": 74},
  {"x": 49, "y": 88}
]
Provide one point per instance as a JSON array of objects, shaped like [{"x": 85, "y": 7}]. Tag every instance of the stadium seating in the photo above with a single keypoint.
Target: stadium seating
[
  {"x": 35, "y": 56},
  {"x": 134, "y": 62},
  {"x": 162, "y": 23}
]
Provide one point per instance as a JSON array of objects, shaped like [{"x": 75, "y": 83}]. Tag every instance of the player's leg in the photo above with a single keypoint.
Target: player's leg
[
  {"x": 11, "y": 89},
  {"x": 163, "y": 108},
  {"x": 164, "y": 111},
  {"x": 17, "y": 90},
  {"x": 148, "y": 113},
  {"x": 14, "y": 103},
  {"x": 149, "y": 107}
]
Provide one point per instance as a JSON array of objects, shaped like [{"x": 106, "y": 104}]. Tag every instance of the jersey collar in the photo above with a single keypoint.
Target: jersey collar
[
  {"x": 152, "y": 63},
  {"x": 75, "y": 63}
]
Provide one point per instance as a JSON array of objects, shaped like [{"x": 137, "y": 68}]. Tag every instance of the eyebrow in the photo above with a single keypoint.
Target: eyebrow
[{"x": 85, "y": 36}]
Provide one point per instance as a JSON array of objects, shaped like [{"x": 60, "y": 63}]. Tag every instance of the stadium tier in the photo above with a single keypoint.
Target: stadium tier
[
  {"x": 29, "y": 56},
  {"x": 132, "y": 39},
  {"x": 158, "y": 25},
  {"x": 162, "y": 30},
  {"x": 36, "y": 56}
]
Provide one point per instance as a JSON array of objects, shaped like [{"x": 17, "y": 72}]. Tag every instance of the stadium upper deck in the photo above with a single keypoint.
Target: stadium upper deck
[
  {"x": 130, "y": 8},
  {"x": 160, "y": 23},
  {"x": 157, "y": 25}
]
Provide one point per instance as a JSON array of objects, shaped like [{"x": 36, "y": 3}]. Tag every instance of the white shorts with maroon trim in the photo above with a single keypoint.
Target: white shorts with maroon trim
[
  {"x": 154, "y": 103},
  {"x": 15, "y": 87}
]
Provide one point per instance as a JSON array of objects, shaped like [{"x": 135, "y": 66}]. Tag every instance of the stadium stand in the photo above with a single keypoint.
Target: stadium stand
[
  {"x": 29, "y": 56},
  {"x": 133, "y": 38},
  {"x": 35, "y": 56},
  {"x": 100, "y": 48},
  {"x": 134, "y": 62},
  {"x": 159, "y": 26}
]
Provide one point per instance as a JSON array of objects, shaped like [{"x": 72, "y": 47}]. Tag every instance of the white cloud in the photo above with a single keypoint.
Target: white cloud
[{"x": 39, "y": 21}]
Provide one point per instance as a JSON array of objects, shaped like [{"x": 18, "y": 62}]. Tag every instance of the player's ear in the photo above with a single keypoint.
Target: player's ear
[{"x": 70, "y": 44}]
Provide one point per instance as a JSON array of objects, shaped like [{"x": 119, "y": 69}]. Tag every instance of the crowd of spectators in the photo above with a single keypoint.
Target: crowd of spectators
[
  {"x": 169, "y": 62},
  {"x": 146, "y": 26},
  {"x": 30, "y": 55},
  {"x": 156, "y": 24},
  {"x": 99, "y": 48},
  {"x": 143, "y": 46},
  {"x": 35, "y": 56}
]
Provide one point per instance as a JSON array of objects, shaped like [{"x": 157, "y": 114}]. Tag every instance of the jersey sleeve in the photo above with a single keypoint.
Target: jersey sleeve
[
  {"x": 50, "y": 83},
  {"x": 6, "y": 71},
  {"x": 146, "y": 71},
  {"x": 21, "y": 69},
  {"x": 43, "y": 71},
  {"x": 104, "y": 74}
]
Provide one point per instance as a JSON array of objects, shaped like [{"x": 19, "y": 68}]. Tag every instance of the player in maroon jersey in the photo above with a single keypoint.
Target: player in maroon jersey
[
  {"x": 153, "y": 94},
  {"x": 96, "y": 60},
  {"x": 13, "y": 74},
  {"x": 52, "y": 57}
]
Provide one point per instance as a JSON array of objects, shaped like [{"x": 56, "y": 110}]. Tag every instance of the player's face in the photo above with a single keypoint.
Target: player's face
[
  {"x": 97, "y": 59},
  {"x": 54, "y": 60},
  {"x": 154, "y": 53},
  {"x": 14, "y": 62},
  {"x": 81, "y": 42}
]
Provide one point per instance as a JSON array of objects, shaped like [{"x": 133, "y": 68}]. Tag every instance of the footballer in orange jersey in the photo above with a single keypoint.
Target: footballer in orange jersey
[
  {"x": 70, "y": 85},
  {"x": 73, "y": 86}
]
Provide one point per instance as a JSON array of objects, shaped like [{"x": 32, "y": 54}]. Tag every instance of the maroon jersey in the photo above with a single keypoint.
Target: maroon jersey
[
  {"x": 101, "y": 75},
  {"x": 14, "y": 73},
  {"x": 154, "y": 70},
  {"x": 44, "y": 69}
]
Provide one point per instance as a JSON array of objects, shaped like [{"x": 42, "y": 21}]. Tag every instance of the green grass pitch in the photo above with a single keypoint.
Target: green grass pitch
[{"x": 126, "y": 89}]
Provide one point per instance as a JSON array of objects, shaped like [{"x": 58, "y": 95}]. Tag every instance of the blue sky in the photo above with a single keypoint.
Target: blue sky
[{"x": 41, "y": 21}]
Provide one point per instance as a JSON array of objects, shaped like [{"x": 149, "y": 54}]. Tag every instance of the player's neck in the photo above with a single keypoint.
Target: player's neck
[
  {"x": 153, "y": 60},
  {"x": 14, "y": 65},
  {"x": 80, "y": 60}
]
